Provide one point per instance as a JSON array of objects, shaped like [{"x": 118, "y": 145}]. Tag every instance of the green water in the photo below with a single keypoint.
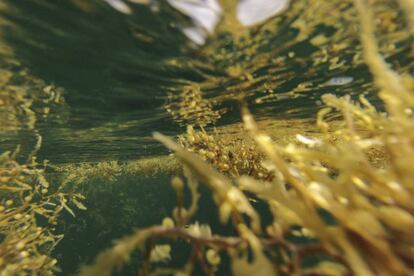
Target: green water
[{"x": 116, "y": 73}]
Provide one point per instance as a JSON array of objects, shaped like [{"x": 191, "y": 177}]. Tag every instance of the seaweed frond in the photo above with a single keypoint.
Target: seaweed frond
[{"x": 29, "y": 210}]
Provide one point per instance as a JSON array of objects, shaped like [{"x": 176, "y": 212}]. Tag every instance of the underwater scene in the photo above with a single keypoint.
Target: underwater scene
[{"x": 207, "y": 137}]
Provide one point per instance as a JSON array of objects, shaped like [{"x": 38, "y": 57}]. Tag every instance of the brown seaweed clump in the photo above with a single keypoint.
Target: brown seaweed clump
[
  {"x": 233, "y": 156},
  {"x": 29, "y": 211},
  {"x": 24, "y": 98},
  {"x": 356, "y": 216},
  {"x": 190, "y": 107}
]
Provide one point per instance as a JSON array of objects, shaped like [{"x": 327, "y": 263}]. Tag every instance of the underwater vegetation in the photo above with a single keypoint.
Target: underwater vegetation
[
  {"x": 336, "y": 200},
  {"x": 29, "y": 210},
  {"x": 357, "y": 215},
  {"x": 24, "y": 98}
]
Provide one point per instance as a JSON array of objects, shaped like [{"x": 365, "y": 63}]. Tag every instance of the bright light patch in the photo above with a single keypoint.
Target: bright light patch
[{"x": 251, "y": 12}]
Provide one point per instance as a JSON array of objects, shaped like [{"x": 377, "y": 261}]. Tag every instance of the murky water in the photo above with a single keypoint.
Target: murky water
[{"x": 100, "y": 82}]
